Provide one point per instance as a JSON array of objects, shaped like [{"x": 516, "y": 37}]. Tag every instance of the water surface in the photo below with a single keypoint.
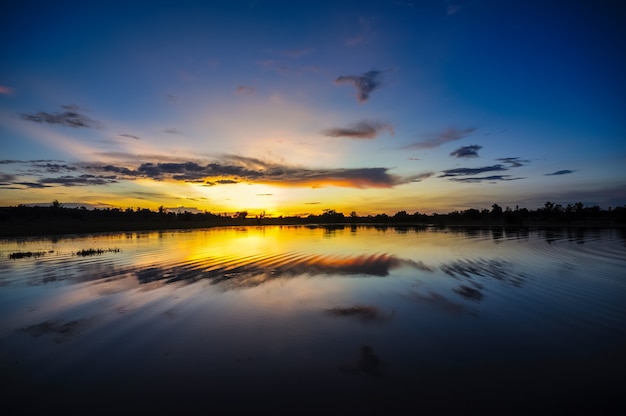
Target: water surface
[{"x": 313, "y": 318}]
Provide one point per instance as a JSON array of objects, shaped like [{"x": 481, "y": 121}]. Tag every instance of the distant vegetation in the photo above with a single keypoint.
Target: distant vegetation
[
  {"x": 27, "y": 254},
  {"x": 56, "y": 219},
  {"x": 94, "y": 251}
]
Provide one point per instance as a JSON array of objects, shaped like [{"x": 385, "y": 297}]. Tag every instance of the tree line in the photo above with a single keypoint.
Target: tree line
[{"x": 550, "y": 213}]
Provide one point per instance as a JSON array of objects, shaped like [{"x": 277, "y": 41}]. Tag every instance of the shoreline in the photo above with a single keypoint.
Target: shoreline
[{"x": 64, "y": 227}]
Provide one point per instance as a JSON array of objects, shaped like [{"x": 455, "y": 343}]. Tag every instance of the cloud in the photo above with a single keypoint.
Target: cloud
[
  {"x": 81, "y": 180},
  {"x": 172, "y": 131},
  {"x": 361, "y": 130},
  {"x": 471, "y": 171},
  {"x": 365, "y": 84},
  {"x": 560, "y": 172},
  {"x": 55, "y": 167},
  {"x": 69, "y": 118},
  {"x": 234, "y": 168},
  {"x": 130, "y": 136},
  {"x": 365, "y": 32},
  {"x": 4, "y": 90},
  {"x": 466, "y": 152},
  {"x": 245, "y": 90},
  {"x": 6, "y": 178},
  {"x": 283, "y": 69},
  {"x": 486, "y": 179},
  {"x": 513, "y": 162},
  {"x": 419, "y": 177},
  {"x": 296, "y": 53},
  {"x": 448, "y": 135},
  {"x": 223, "y": 170}
]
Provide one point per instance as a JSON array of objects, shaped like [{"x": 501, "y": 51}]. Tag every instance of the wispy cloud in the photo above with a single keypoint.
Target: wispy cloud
[
  {"x": 130, "y": 136},
  {"x": 471, "y": 171},
  {"x": 284, "y": 69},
  {"x": 365, "y": 32},
  {"x": 513, "y": 162},
  {"x": 455, "y": 6},
  {"x": 80, "y": 180},
  {"x": 6, "y": 178},
  {"x": 296, "y": 53},
  {"x": 69, "y": 118},
  {"x": 245, "y": 90},
  {"x": 560, "y": 172},
  {"x": 448, "y": 135},
  {"x": 419, "y": 177},
  {"x": 466, "y": 152},
  {"x": 361, "y": 130},
  {"x": 232, "y": 168},
  {"x": 226, "y": 169},
  {"x": 365, "y": 83},
  {"x": 4, "y": 90},
  {"x": 54, "y": 167},
  {"x": 171, "y": 131},
  {"x": 493, "y": 178}
]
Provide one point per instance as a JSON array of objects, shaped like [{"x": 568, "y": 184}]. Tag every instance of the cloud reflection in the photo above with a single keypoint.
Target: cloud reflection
[{"x": 236, "y": 273}]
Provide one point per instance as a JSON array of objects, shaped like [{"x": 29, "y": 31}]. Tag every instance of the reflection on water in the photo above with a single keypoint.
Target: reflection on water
[
  {"x": 363, "y": 313},
  {"x": 367, "y": 363},
  {"x": 158, "y": 320}
]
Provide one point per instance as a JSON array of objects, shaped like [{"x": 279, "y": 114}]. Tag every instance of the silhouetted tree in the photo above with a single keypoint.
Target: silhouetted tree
[{"x": 496, "y": 211}]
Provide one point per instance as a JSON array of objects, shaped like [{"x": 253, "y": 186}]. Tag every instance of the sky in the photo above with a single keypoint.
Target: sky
[{"x": 296, "y": 107}]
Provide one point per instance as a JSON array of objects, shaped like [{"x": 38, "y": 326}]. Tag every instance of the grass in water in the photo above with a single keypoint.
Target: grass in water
[
  {"x": 28, "y": 254},
  {"x": 94, "y": 251}
]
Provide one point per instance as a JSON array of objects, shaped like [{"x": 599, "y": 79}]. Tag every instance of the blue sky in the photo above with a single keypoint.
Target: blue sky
[{"x": 295, "y": 107}]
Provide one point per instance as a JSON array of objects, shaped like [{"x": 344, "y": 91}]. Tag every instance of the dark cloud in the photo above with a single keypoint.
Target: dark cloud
[
  {"x": 419, "y": 177},
  {"x": 69, "y": 118},
  {"x": 233, "y": 168},
  {"x": 30, "y": 185},
  {"x": 171, "y": 131},
  {"x": 471, "y": 171},
  {"x": 448, "y": 135},
  {"x": 11, "y": 161},
  {"x": 226, "y": 169},
  {"x": 466, "y": 152},
  {"x": 560, "y": 172},
  {"x": 513, "y": 162},
  {"x": 130, "y": 136},
  {"x": 81, "y": 180},
  {"x": 486, "y": 179},
  {"x": 54, "y": 167},
  {"x": 71, "y": 107},
  {"x": 365, "y": 84},
  {"x": 245, "y": 90},
  {"x": 361, "y": 130},
  {"x": 6, "y": 178}
]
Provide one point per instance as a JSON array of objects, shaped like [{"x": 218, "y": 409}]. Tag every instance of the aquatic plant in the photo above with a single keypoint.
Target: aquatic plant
[
  {"x": 94, "y": 251},
  {"x": 27, "y": 254}
]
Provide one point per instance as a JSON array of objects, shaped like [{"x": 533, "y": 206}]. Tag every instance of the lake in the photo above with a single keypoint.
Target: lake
[{"x": 313, "y": 319}]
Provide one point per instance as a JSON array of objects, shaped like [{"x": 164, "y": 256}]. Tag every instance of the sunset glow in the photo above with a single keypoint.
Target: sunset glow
[{"x": 291, "y": 108}]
